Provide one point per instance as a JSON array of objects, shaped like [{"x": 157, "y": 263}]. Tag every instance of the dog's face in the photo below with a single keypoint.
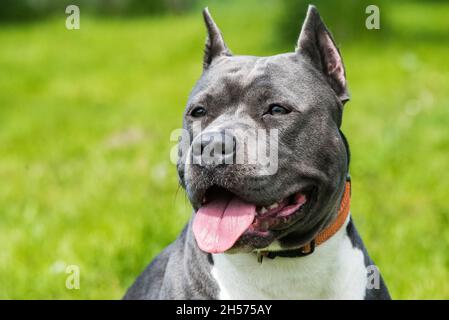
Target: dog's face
[{"x": 301, "y": 95}]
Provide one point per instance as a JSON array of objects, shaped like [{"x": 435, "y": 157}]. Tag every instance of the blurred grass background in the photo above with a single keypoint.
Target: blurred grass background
[{"x": 86, "y": 116}]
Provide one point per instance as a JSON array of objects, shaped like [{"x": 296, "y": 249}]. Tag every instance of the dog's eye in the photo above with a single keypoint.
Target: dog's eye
[
  {"x": 198, "y": 112},
  {"x": 276, "y": 110}
]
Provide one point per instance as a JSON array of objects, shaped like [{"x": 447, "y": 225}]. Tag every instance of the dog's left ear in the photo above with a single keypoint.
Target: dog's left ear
[
  {"x": 316, "y": 42},
  {"x": 215, "y": 45}
]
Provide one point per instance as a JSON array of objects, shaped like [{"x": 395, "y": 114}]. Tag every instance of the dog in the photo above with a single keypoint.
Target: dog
[{"x": 281, "y": 235}]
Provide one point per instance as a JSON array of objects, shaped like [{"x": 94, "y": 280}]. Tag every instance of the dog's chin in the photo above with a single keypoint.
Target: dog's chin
[
  {"x": 253, "y": 239},
  {"x": 272, "y": 222}
]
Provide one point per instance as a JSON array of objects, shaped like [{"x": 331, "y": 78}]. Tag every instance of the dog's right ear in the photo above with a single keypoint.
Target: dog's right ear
[{"x": 215, "y": 45}]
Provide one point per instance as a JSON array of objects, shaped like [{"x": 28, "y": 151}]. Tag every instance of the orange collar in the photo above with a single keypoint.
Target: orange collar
[{"x": 322, "y": 237}]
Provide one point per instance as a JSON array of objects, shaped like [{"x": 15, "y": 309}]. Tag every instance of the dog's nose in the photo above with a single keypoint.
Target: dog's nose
[{"x": 216, "y": 147}]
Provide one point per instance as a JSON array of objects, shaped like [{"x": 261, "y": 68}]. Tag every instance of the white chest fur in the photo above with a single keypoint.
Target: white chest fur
[{"x": 336, "y": 270}]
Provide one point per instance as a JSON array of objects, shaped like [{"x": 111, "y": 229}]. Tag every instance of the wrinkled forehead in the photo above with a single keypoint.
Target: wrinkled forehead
[
  {"x": 243, "y": 70},
  {"x": 238, "y": 76}
]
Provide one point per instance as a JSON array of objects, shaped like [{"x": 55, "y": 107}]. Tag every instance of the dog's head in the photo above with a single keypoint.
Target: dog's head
[{"x": 300, "y": 97}]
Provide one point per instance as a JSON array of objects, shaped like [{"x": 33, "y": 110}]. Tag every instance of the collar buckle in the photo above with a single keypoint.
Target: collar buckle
[
  {"x": 303, "y": 250},
  {"x": 293, "y": 253}
]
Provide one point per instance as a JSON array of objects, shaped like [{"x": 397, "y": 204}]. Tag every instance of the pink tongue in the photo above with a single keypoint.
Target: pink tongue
[{"x": 218, "y": 224}]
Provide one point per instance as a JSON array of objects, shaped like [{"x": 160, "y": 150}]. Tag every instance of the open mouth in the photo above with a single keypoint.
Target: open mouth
[{"x": 224, "y": 217}]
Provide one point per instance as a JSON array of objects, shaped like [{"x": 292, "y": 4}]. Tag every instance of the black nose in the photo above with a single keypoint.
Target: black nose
[{"x": 215, "y": 148}]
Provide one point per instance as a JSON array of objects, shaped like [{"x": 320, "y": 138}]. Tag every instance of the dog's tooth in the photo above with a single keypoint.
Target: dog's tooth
[
  {"x": 274, "y": 206},
  {"x": 263, "y": 210}
]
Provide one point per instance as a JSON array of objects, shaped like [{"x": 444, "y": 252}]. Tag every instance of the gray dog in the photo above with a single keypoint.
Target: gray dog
[{"x": 253, "y": 235}]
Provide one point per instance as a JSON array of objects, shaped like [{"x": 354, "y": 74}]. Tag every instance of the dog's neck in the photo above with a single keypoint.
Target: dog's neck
[{"x": 336, "y": 267}]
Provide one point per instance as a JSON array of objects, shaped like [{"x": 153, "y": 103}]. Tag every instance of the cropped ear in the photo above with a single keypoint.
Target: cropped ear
[
  {"x": 215, "y": 45},
  {"x": 316, "y": 42}
]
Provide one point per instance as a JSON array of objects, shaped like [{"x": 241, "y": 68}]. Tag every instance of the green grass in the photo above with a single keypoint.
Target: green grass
[{"x": 85, "y": 121}]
